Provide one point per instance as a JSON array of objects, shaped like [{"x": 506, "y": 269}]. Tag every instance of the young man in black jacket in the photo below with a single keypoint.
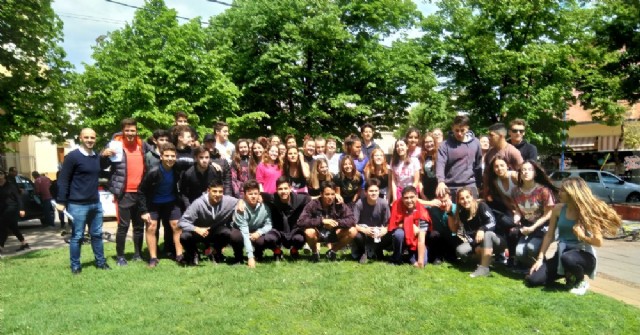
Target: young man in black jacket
[
  {"x": 286, "y": 208},
  {"x": 194, "y": 181},
  {"x": 159, "y": 200}
]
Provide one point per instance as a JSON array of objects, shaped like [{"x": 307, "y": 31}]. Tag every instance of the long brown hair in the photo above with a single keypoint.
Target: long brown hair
[
  {"x": 424, "y": 154},
  {"x": 594, "y": 214},
  {"x": 314, "y": 181},
  {"x": 371, "y": 170}
]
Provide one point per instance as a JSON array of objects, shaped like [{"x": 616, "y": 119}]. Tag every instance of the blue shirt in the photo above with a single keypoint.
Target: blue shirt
[{"x": 164, "y": 191}]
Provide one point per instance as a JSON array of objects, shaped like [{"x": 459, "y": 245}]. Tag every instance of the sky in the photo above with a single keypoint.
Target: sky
[{"x": 86, "y": 20}]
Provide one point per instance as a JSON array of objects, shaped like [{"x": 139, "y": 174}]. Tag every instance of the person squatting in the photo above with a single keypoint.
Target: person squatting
[{"x": 441, "y": 198}]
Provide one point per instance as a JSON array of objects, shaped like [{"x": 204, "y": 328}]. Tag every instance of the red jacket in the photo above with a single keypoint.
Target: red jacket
[{"x": 399, "y": 216}]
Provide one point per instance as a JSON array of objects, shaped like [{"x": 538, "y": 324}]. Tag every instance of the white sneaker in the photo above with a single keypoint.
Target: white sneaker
[
  {"x": 481, "y": 271},
  {"x": 306, "y": 249},
  {"x": 581, "y": 288}
]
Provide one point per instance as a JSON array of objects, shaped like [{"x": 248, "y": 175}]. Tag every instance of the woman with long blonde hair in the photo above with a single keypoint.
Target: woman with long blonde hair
[{"x": 579, "y": 220}]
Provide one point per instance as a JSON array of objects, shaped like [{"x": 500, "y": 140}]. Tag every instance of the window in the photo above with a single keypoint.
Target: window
[
  {"x": 590, "y": 177},
  {"x": 608, "y": 178},
  {"x": 559, "y": 175}
]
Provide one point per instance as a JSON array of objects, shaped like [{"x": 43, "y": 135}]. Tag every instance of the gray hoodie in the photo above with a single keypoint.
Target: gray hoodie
[
  {"x": 202, "y": 214},
  {"x": 459, "y": 163}
]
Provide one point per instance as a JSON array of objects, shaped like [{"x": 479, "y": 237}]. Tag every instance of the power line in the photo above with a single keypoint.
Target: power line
[
  {"x": 91, "y": 18},
  {"x": 136, "y": 7},
  {"x": 222, "y": 3}
]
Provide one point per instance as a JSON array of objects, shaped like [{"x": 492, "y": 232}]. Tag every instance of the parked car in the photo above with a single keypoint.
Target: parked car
[
  {"x": 108, "y": 203},
  {"x": 31, "y": 202},
  {"x": 605, "y": 185}
]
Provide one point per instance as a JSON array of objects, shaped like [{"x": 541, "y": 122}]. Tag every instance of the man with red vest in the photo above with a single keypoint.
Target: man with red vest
[
  {"x": 409, "y": 224},
  {"x": 127, "y": 168}
]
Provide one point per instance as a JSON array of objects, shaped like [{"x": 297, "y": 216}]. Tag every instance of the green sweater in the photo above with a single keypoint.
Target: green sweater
[{"x": 256, "y": 219}]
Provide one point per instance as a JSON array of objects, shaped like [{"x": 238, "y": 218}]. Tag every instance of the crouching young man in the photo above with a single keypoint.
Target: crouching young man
[
  {"x": 206, "y": 221},
  {"x": 371, "y": 215},
  {"x": 286, "y": 207},
  {"x": 324, "y": 220},
  {"x": 252, "y": 227},
  {"x": 409, "y": 225}
]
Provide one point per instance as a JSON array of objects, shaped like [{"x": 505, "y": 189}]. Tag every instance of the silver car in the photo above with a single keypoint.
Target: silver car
[{"x": 605, "y": 185}]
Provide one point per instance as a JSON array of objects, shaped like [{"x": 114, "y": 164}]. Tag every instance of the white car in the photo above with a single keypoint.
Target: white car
[
  {"x": 107, "y": 200},
  {"x": 108, "y": 204},
  {"x": 604, "y": 185}
]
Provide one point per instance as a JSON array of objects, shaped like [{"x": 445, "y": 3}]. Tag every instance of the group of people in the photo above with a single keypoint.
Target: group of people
[{"x": 438, "y": 199}]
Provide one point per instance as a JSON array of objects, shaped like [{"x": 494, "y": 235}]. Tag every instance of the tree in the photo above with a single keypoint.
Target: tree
[
  {"x": 610, "y": 66},
  {"x": 151, "y": 69},
  {"x": 501, "y": 60},
  {"x": 319, "y": 67},
  {"x": 33, "y": 72}
]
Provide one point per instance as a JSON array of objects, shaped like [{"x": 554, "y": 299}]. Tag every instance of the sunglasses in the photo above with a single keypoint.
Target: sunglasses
[{"x": 521, "y": 131}]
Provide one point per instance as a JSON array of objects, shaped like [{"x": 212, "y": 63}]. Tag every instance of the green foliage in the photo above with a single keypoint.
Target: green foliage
[
  {"x": 33, "y": 72},
  {"x": 318, "y": 67},
  {"x": 610, "y": 60},
  {"x": 428, "y": 116},
  {"x": 151, "y": 69},
  {"x": 289, "y": 298},
  {"x": 501, "y": 60}
]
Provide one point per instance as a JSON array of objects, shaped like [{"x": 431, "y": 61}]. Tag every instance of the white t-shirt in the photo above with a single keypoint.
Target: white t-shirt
[
  {"x": 226, "y": 150},
  {"x": 403, "y": 173}
]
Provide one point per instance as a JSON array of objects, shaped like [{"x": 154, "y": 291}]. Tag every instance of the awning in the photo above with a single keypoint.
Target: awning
[
  {"x": 609, "y": 143},
  {"x": 582, "y": 143}
]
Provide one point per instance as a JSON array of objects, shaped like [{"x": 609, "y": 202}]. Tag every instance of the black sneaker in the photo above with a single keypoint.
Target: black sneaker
[
  {"x": 136, "y": 258},
  {"x": 294, "y": 253},
  {"x": 104, "y": 266},
  {"x": 24, "y": 247},
  {"x": 331, "y": 255},
  {"x": 153, "y": 262},
  {"x": 76, "y": 271},
  {"x": 315, "y": 257}
]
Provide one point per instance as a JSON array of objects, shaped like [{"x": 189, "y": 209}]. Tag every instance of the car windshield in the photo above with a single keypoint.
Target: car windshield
[{"x": 608, "y": 178}]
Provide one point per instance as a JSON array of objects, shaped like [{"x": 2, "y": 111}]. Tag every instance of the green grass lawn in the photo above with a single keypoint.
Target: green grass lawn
[{"x": 38, "y": 295}]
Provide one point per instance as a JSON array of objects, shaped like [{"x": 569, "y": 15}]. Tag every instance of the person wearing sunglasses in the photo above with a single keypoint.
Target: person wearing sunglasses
[{"x": 516, "y": 138}]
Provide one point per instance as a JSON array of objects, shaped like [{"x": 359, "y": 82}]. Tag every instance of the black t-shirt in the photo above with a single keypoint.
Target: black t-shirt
[{"x": 348, "y": 187}]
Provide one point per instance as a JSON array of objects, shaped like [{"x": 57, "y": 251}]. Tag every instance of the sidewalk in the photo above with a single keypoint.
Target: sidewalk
[{"x": 618, "y": 260}]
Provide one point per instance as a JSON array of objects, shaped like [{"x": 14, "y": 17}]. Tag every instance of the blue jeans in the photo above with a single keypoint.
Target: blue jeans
[
  {"x": 397, "y": 240},
  {"x": 83, "y": 215}
]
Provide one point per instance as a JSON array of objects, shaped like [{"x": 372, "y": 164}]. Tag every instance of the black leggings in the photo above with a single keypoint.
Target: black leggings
[
  {"x": 9, "y": 222},
  {"x": 575, "y": 262}
]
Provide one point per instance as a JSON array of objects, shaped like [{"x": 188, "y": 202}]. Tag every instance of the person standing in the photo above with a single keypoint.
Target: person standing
[
  {"x": 517, "y": 129},
  {"x": 368, "y": 144},
  {"x": 78, "y": 194},
  {"x": 458, "y": 162},
  {"x": 125, "y": 177},
  {"x": 11, "y": 207},
  {"x": 158, "y": 194},
  {"x": 224, "y": 146},
  {"x": 42, "y": 186},
  {"x": 194, "y": 182}
]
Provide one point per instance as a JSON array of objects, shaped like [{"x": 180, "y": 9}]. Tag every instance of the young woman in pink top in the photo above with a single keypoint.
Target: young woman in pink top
[{"x": 269, "y": 170}]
